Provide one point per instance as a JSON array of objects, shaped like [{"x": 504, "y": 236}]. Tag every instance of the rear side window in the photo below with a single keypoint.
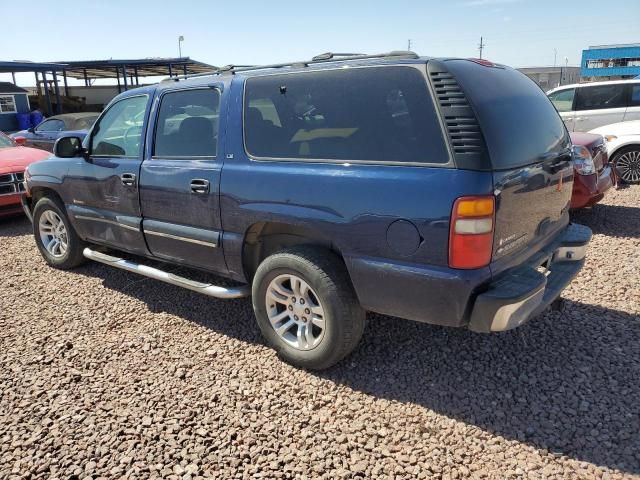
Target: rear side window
[
  {"x": 187, "y": 124},
  {"x": 518, "y": 122},
  {"x": 563, "y": 100},
  {"x": 354, "y": 114},
  {"x": 635, "y": 96},
  {"x": 601, "y": 96}
]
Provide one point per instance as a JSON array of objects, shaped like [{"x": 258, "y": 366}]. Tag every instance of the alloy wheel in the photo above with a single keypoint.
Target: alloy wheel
[
  {"x": 53, "y": 233},
  {"x": 628, "y": 166},
  {"x": 295, "y": 312}
]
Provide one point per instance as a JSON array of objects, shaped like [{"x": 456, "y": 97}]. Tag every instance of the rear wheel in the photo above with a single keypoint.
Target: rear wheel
[
  {"x": 306, "y": 307},
  {"x": 627, "y": 164},
  {"x": 55, "y": 237}
]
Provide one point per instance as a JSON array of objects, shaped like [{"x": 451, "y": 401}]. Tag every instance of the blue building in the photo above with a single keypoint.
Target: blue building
[
  {"x": 611, "y": 62},
  {"x": 13, "y": 100}
]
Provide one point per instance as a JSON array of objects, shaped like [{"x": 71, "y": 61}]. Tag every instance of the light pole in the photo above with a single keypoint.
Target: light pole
[{"x": 180, "y": 40}]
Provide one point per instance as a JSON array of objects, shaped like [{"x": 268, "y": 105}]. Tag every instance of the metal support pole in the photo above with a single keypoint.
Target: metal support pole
[
  {"x": 13, "y": 76},
  {"x": 66, "y": 85},
  {"x": 118, "y": 78},
  {"x": 135, "y": 72},
  {"x": 170, "y": 71},
  {"x": 184, "y": 69},
  {"x": 46, "y": 94},
  {"x": 38, "y": 91},
  {"x": 124, "y": 77},
  {"x": 57, "y": 91},
  {"x": 86, "y": 79}
]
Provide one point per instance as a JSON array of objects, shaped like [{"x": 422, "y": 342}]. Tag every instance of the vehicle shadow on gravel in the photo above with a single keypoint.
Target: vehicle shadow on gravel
[
  {"x": 565, "y": 382},
  {"x": 17, "y": 226},
  {"x": 610, "y": 220}
]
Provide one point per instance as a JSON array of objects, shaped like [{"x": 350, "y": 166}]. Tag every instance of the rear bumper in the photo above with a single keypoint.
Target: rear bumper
[
  {"x": 10, "y": 205},
  {"x": 523, "y": 292}
]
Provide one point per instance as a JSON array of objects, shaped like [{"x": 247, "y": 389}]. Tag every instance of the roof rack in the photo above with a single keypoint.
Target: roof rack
[{"x": 327, "y": 57}]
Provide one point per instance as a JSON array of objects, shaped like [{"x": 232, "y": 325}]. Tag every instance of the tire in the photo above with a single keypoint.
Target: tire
[
  {"x": 330, "y": 292},
  {"x": 45, "y": 215},
  {"x": 626, "y": 162}
]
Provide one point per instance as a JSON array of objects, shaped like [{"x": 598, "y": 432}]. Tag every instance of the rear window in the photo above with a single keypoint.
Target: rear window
[
  {"x": 354, "y": 114},
  {"x": 519, "y": 123}
]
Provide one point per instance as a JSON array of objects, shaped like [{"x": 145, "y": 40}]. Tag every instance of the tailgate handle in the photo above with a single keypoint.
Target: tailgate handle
[{"x": 199, "y": 185}]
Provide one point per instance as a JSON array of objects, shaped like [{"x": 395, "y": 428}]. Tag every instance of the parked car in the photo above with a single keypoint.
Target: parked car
[
  {"x": 593, "y": 175},
  {"x": 328, "y": 188},
  {"x": 623, "y": 147},
  {"x": 586, "y": 106},
  {"x": 48, "y": 131},
  {"x": 13, "y": 160}
]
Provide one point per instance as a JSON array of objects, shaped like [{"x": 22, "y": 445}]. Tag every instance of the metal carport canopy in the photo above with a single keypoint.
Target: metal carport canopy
[{"x": 147, "y": 67}]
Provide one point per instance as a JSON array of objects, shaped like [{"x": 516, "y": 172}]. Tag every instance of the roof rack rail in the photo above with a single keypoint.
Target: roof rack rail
[{"x": 327, "y": 57}]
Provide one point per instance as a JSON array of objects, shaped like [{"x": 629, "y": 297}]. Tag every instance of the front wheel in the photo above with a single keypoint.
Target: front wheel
[
  {"x": 306, "y": 307},
  {"x": 627, "y": 164},
  {"x": 55, "y": 237}
]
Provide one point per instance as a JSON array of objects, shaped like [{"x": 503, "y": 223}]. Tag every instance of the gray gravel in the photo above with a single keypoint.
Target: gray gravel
[{"x": 104, "y": 374}]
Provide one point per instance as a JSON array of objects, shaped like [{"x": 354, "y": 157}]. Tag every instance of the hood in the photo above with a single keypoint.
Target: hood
[
  {"x": 619, "y": 129},
  {"x": 17, "y": 158},
  {"x": 21, "y": 133}
]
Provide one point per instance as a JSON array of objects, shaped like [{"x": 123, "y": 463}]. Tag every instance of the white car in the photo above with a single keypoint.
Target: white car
[
  {"x": 623, "y": 146},
  {"x": 586, "y": 106}
]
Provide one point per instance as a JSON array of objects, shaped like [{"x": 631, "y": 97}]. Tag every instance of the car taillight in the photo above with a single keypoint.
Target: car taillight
[
  {"x": 582, "y": 160},
  {"x": 471, "y": 232}
]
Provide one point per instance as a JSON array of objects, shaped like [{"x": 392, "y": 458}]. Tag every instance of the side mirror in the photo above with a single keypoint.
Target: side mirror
[
  {"x": 20, "y": 141},
  {"x": 31, "y": 129},
  {"x": 69, "y": 147}
]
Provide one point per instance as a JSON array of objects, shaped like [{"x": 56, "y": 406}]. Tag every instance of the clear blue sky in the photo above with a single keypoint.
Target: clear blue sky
[{"x": 516, "y": 32}]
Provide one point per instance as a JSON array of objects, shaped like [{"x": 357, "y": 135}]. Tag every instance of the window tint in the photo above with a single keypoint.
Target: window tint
[
  {"x": 563, "y": 100},
  {"x": 118, "y": 133},
  {"x": 635, "y": 96},
  {"x": 367, "y": 114},
  {"x": 188, "y": 124},
  {"x": 600, "y": 96},
  {"x": 53, "y": 125}
]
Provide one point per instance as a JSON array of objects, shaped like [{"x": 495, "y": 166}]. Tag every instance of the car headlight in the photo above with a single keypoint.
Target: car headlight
[{"x": 582, "y": 160}]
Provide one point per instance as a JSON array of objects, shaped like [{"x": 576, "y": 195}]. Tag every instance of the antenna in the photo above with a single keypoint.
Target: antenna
[{"x": 481, "y": 46}]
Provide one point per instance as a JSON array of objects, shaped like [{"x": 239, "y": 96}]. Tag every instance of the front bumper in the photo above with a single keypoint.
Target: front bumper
[{"x": 521, "y": 293}]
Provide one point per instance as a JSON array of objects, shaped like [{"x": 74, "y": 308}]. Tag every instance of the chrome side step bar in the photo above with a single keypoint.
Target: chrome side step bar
[{"x": 205, "y": 288}]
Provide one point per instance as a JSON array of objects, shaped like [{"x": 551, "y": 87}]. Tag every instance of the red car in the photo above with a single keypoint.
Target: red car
[
  {"x": 13, "y": 160},
  {"x": 593, "y": 174}
]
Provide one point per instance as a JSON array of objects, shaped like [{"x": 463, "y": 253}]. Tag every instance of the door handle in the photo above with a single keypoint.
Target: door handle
[
  {"x": 128, "y": 179},
  {"x": 199, "y": 185}
]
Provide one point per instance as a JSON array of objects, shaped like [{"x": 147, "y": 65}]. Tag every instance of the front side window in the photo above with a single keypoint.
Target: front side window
[
  {"x": 118, "y": 133},
  {"x": 600, "y": 96},
  {"x": 187, "y": 124},
  {"x": 563, "y": 99},
  {"x": 359, "y": 114},
  {"x": 52, "y": 125},
  {"x": 7, "y": 104}
]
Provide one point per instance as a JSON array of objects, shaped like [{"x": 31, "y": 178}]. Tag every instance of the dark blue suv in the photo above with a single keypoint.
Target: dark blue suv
[{"x": 435, "y": 190}]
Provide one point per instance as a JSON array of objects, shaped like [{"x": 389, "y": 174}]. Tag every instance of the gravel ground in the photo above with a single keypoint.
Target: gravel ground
[{"x": 106, "y": 374}]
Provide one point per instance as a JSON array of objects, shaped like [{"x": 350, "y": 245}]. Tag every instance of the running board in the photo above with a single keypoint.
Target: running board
[{"x": 205, "y": 288}]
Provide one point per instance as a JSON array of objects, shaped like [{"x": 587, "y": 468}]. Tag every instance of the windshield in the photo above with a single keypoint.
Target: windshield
[{"x": 5, "y": 141}]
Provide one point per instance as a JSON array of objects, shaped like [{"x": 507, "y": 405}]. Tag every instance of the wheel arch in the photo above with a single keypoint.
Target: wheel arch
[{"x": 266, "y": 238}]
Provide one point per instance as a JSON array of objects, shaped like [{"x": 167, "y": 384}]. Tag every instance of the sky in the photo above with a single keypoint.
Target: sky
[{"x": 516, "y": 32}]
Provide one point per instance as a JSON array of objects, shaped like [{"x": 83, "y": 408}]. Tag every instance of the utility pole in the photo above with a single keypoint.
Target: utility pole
[
  {"x": 481, "y": 47},
  {"x": 409, "y": 45}
]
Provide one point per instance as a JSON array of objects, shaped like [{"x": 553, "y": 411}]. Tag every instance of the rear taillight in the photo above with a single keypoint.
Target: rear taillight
[
  {"x": 582, "y": 160},
  {"x": 471, "y": 232}
]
